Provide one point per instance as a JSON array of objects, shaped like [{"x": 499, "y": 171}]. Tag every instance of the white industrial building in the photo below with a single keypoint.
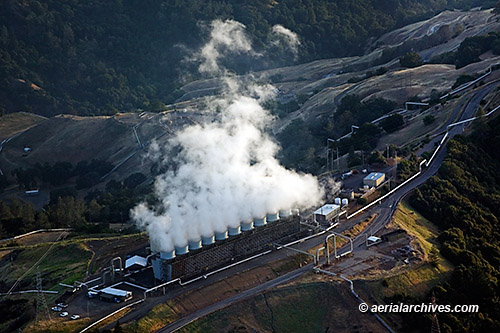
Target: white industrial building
[
  {"x": 374, "y": 179},
  {"x": 327, "y": 214}
]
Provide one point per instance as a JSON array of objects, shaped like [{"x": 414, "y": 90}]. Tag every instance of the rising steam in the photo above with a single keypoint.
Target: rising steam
[
  {"x": 225, "y": 171},
  {"x": 287, "y": 36}
]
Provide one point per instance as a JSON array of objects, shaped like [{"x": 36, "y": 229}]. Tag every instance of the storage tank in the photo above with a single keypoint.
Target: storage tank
[
  {"x": 337, "y": 201},
  {"x": 295, "y": 212},
  {"x": 285, "y": 213},
  {"x": 194, "y": 245},
  {"x": 259, "y": 222},
  {"x": 234, "y": 231},
  {"x": 180, "y": 250},
  {"x": 247, "y": 226},
  {"x": 207, "y": 240},
  {"x": 220, "y": 235},
  {"x": 167, "y": 255},
  {"x": 345, "y": 202},
  {"x": 271, "y": 217}
]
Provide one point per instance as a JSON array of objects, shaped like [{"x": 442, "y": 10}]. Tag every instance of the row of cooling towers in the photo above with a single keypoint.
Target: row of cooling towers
[{"x": 231, "y": 232}]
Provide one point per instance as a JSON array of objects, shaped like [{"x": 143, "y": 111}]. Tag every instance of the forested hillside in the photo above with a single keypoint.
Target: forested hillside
[
  {"x": 464, "y": 201},
  {"x": 104, "y": 56}
]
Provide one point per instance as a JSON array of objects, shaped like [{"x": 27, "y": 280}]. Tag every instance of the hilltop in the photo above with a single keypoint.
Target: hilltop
[{"x": 106, "y": 57}]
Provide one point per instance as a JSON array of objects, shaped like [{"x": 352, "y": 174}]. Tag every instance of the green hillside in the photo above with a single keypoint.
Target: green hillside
[
  {"x": 464, "y": 201},
  {"x": 81, "y": 57}
]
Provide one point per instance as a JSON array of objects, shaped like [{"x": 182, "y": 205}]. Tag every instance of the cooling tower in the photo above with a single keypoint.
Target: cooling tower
[
  {"x": 220, "y": 235},
  {"x": 259, "y": 222},
  {"x": 234, "y": 231},
  {"x": 167, "y": 255},
  {"x": 194, "y": 245},
  {"x": 180, "y": 250},
  {"x": 285, "y": 213},
  {"x": 207, "y": 240},
  {"x": 271, "y": 217},
  {"x": 247, "y": 226}
]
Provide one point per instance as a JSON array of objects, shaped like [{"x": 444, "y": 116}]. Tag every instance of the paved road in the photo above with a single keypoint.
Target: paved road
[
  {"x": 470, "y": 109},
  {"x": 239, "y": 297}
]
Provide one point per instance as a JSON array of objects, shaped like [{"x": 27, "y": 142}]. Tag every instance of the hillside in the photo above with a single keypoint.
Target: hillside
[
  {"x": 102, "y": 57},
  {"x": 463, "y": 202}
]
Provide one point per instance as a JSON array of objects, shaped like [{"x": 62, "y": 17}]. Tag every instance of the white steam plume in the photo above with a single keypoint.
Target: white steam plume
[
  {"x": 225, "y": 172},
  {"x": 289, "y": 37},
  {"x": 227, "y": 37}
]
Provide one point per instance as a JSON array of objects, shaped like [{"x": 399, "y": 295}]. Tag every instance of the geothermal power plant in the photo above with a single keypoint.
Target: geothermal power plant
[{"x": 222, "y": 248}]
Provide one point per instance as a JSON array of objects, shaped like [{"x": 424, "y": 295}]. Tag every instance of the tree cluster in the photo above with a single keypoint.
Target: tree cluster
[
  {"x": 464, "y": 201},
  {"x": 100, "y": 57}
]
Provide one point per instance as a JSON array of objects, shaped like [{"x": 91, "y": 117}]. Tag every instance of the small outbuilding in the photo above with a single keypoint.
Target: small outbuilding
[
  {"x": 327, "y": 213},
  {"x": 374, "y": 179},
  {"x": 135, "y": 263}
]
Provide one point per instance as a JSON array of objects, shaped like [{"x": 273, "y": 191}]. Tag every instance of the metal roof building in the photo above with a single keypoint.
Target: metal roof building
[
  {"x": 135, "y": 260},
  {"x": 374, "y": 179},
  {"x": 327, "y": 213}
]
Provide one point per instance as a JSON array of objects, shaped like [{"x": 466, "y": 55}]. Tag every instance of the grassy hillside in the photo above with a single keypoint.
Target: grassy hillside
[{"x": 98, "y": 57}]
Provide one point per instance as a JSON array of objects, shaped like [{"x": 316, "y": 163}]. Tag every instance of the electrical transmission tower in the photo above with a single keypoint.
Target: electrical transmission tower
[{"x": 41, "y": 305}]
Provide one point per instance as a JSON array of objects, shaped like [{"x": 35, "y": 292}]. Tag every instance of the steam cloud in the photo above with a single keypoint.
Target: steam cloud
[
  {"x": 226, "y": 36},
  {"x": 288, "y": 36},
  {"x": 225, "y": 171}
]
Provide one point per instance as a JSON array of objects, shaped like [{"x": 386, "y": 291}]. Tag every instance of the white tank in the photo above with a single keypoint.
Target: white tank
[
  {"x": 296, "y": 212},
  {"x": 272, "y": 217},
  {"x": 285, "y": 213},
  {"x": 337, "y": 201},
  {"x": 180, "y": 250},
  {"x": 247, "y": 226},
  {"x": 167, "y": 255},
  {"x": 220, "y": 235},
  {"x": 345, "y": 202},
  {"x": 208, "y": 240},
  {"x": 259, "y": 222},
  {"x": 234, "y": 231},
  {"x": 194, "y": 245}
]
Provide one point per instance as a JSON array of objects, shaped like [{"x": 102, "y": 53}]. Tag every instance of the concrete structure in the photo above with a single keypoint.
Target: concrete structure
[
  {"x": 229, "y": 251},
  {"x": 374, "y": 179},
  {"x": 327, "y": 214}
]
